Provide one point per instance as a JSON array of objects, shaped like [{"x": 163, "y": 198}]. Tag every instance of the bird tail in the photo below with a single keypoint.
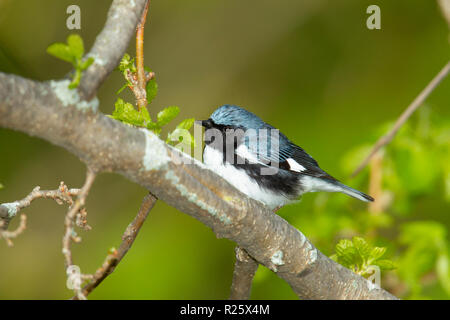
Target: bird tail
[{"x": 353, "y": 192}]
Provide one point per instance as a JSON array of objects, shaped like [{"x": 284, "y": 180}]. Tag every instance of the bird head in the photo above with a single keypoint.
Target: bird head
[{"x": 233, "y": 117}]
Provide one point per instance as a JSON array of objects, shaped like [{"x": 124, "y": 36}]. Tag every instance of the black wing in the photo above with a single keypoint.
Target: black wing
[
  {"x": 282, "y": 153},
  {"x": 311, "y": 167}
]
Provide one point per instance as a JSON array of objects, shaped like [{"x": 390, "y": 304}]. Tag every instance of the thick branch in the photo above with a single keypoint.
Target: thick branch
[
  {"x": 244, "y": 271},
  {"x": 40, "y": 109}
]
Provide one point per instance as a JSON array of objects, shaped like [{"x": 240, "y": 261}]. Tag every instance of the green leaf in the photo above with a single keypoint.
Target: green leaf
[
  {"x": 175, "y": 136},
  {"x": 76, "y": 46},
  {"x": 166, "y": 115},
  {"x": 87, "y": 63},
  {"x": 181, "y": 133},
  {"x": 145, "y": 116},
  {"x": 155, "y": 127},
  {"x": 347, "y": 254},
  {"x": 189, "y": 140},
  {"x": 61, "y": 51},
  {"x": 377, "y": 253},
  {"x": 358, "y": 256},
  {"x": 125, "y": 112},
  {"x": 186, "y": 124},
  {"x": 1, "y": 186},
  {"x": 342, "y": 245},
  {"x": 152, "y": 90},
  {"x": 362, "y": 246},
  {"x": 385, "y": 264},
  {"x": 121, "y": 89},
  {"x": 349, "y": 257},
  {"x": 127, "y": 63},
  {"x": 72, "y": 52}
]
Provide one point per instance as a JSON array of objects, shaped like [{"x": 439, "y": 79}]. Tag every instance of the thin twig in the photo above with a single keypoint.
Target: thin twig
[
  {"x": 75, "y": 278},
  {"x": 244, "y": 271},
  {"x": 141, "y": 77},
  {"x": 445, "y": 8},
  {"x": 8, "y": 235},
  {"x": 384, "y": 140},
  {"x": 71, "y": 214},
  {"x": 9, "y": 210},
  {"x": 375, "y": 183},
  {"x": 128, "y": 237},
  {"x": 110, "y": 44}
]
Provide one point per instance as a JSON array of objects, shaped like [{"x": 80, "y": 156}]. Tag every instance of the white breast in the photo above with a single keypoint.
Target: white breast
[{"x": 213, "y": 159}]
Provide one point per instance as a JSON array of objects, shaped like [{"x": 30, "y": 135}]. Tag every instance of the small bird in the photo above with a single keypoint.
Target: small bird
[{"x": 262, "y": 162}]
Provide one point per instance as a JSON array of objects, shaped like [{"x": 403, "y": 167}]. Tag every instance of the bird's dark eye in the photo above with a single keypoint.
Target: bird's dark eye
[{"x": 207, "y": 123}]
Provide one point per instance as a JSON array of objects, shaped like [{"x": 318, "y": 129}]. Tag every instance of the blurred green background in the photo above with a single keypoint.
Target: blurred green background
[{"x": 310, "y": 68}]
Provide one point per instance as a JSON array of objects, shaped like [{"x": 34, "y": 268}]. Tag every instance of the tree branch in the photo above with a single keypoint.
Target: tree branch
[
  {"x": 71, "y": 215},
  {"x": 140, "y": 91},
  {"x": 8, "y": 235},
  {"x": 128, "y": 237},
  {"x": 111, "y": 44},
  {"x": 9, "y": 210},
  {"x": 418, "y": 101},
  {"x": 63, "y": 117},
  {"x": 107, "y": 145},
  {"x": 76, "y": 278},
  {"x": 244, "y": 271},
  {"x": 445, "y": 8}
]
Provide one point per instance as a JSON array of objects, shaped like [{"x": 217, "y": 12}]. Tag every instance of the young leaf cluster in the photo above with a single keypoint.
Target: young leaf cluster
[
  {"x": 72, "y": 52},
  {"x": 127, "y": 113},
  {"x": 359, "y": 256}
]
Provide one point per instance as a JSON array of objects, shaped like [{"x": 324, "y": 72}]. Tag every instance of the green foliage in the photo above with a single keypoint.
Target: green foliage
[
  {"x": 126, "y": 113},
  {"x": 415, "y": 170},
  {"x": 181, "y": 133},
  {"x": 168, "y": 114},
  {"x": 359, "y": 256},
  {"x": 416, "y": 160},
  {"x": 426, "y": 251},
  {"x": 126, "y": 65},
  {"x": 1, "y": 186},
  {"x": 72, "y": 52},
  {"x": 152, "y": 90}
]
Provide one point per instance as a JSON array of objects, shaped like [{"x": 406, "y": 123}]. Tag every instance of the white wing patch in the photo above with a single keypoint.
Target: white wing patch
[
  {"x": 243, "y": 152},
  {"x": 294, "y": 165}
]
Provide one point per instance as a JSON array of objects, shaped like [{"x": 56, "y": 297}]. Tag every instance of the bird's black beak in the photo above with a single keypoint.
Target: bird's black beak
[{"x": 205, "y": 123}]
